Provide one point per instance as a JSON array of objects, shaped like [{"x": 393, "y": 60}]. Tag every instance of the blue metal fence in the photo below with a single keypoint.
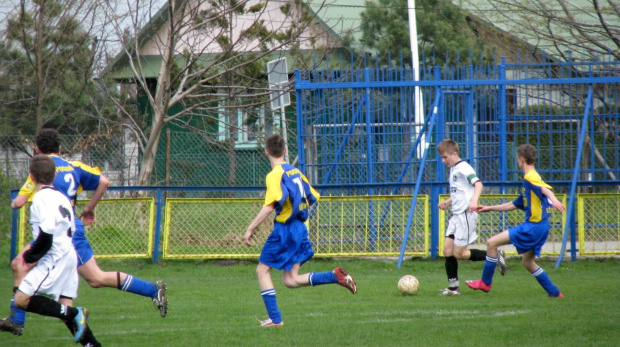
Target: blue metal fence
[{"x": 358, "y": 130}]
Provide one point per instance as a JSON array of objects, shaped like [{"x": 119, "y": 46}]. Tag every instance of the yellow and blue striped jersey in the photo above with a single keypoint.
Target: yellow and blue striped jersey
[
  {"x": 291, "y": 192},
  {"x": 537, "y": 207},
  {"x": 72, "y": 177}
]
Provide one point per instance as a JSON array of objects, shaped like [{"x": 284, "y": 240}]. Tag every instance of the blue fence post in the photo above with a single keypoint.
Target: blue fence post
[
  {"x": 369, "y": 160},
  {"x": 369, "y": 135},
  {"x": 573, "y": 186},
  {"x": 414, "y": 198},
  {"x": 14, "y": 220},
  {"x": 301, "y": 161},
  {"x": 471, "y": 130},
  {"x": 159, "y": 204},
  {"x": 503, "y": 163},
  {"x": 440, "y": 172},
  {"x": 573, "y": 236}
]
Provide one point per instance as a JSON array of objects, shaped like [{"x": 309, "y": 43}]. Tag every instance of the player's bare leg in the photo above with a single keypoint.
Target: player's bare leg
[
  {"x": 97, "y": 278},
  {"x": 292, "y": 279}
]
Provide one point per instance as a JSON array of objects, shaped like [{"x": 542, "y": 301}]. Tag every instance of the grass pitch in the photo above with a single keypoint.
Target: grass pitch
[{"x": 218, "y": 303}]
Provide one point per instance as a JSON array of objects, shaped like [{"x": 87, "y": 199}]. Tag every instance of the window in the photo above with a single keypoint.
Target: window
[{"x": 238, "y": 124}]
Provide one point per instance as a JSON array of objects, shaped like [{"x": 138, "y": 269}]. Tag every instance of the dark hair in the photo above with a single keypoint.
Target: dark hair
[
  {"x": 275, "y": 146},
  {"x": 48, "y": 141},
  {"x": 447, "y": 146},
  {"x": 527, "y": 152},
  {"x": 42, "y": 169}
]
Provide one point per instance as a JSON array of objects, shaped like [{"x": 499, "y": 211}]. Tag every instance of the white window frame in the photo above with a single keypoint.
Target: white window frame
[{"x": 243, "y": 130}]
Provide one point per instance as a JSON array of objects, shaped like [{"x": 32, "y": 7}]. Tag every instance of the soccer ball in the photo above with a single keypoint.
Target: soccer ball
[{"x": 408, "y": 285}]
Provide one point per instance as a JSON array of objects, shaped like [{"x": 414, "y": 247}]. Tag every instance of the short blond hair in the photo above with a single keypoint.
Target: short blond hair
[{"x": 448, "y": 146}]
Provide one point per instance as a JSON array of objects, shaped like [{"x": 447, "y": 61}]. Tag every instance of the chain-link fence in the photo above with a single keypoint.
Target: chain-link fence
[
  {"x": 117, "y": 156},
  {"x": 338, "y": 226},
  {"x": 124, "y": 228},
  {"x": 599, "y": 226}
]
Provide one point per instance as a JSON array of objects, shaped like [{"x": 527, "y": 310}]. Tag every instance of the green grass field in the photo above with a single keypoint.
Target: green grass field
[{"x": 217, "y": 303}]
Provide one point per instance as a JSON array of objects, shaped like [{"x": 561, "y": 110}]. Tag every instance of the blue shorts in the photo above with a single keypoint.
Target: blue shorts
[
  {"x": 529, "y": 236},
  {"x": 80, "y": 242},
  {"x": 286, "y": 246}
]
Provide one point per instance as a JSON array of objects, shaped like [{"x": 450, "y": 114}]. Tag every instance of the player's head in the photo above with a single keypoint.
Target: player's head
[
  {"x": 274, "y": 146},
  {"x": 48, "y": 141},
  {"x": 449, "y": 152},
  {"x": 448, "y": 146},
  {"x": 42, "y": 169},
  {"x": 528, "y": 153}
]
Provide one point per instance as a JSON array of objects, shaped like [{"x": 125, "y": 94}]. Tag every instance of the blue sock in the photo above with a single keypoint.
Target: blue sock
[
  {"x": 269, "y": 298},
  {"x": 138, "y": 286},
  {"x": 489, "y": 269},
  {"x": 18, "y": 315},
  {"x": 545, "y": 282},
  {"x": 318, "y": 278}
]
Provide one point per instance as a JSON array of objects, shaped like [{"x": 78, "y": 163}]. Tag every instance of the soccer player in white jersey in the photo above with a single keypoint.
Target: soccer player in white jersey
[
  {"x": 51, "y": 258},
  {"x": 465, "y": 189}
]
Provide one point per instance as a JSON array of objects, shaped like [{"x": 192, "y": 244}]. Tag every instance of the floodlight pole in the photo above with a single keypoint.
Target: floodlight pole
[
  {"x": 283, "y": 120},
  {"x": 415, "y": 61}
]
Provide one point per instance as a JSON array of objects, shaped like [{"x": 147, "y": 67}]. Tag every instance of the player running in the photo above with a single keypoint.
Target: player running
[
  {"x": 51, "y": 281},
  {"x": 73, "y": 177},
  {"x": 537, "y": 200},
  {"x": 288, "y": 193},
  {"x": 465, "y": 189}
]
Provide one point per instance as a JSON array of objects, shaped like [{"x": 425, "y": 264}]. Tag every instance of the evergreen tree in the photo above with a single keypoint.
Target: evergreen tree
[
  {"x": 47, "y": 58},
  {"x": 443, "y": 31}
]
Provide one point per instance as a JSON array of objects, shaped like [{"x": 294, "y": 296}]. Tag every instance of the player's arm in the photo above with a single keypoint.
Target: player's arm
[
  {"x": 260, "y": 217},
  {"x": 508, "y": 206},
  {"x": 557, "y": 204},
  {"x": 473, "y": 204},
  {"x": 39, "y": 247},
  {"x": 88, "y": 214},
  {"x": 444, "y": 204},
  {"x": 25, "y": 192},
  {"x": 19, "y": 201}
]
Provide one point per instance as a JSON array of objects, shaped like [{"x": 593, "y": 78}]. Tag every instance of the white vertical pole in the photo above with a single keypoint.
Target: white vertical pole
[
  {"x": 419, "y": 103},
  {"x": 283, "y": 120}
]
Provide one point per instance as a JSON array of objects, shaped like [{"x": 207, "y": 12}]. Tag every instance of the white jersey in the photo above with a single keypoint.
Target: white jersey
[
  {"x": 52, "y": 212},
  {"x": 462, "y": 179}
]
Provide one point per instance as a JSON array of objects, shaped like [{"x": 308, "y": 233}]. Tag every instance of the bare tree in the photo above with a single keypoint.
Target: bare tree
[
  {"x": 587, "y": 28},
  {"x": 210, "y": 60}
]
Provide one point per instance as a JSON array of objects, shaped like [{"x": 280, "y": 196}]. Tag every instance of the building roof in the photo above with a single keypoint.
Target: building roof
[
  {"x": 337, "y": 17},
  {"x": 553, "y": 18},
  {"x": 341, "y": 17}
]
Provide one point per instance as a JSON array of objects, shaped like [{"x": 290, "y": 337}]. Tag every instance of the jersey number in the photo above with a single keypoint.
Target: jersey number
[
  {"x": 71, "y": 190},
  {"x": 297, "y": 181}
]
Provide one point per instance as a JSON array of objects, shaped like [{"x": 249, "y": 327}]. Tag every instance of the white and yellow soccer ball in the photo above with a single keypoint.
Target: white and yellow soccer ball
[{"x": 408, "y": 285}]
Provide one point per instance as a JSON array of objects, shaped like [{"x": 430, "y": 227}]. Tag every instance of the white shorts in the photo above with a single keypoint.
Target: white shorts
[
  {"x": 51, "y": 278},
  {"x": 463, "y": 227}
]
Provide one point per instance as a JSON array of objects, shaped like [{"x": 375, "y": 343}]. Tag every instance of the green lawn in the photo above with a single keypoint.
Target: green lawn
[{"x": 217, "y": 303}]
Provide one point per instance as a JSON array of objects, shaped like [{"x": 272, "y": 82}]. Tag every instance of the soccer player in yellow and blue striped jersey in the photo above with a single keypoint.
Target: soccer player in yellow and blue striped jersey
[
  {"x": 538, "y": 201},
  {"x": 71, "y": 178},
  {"x": 289, "y": 194}
]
